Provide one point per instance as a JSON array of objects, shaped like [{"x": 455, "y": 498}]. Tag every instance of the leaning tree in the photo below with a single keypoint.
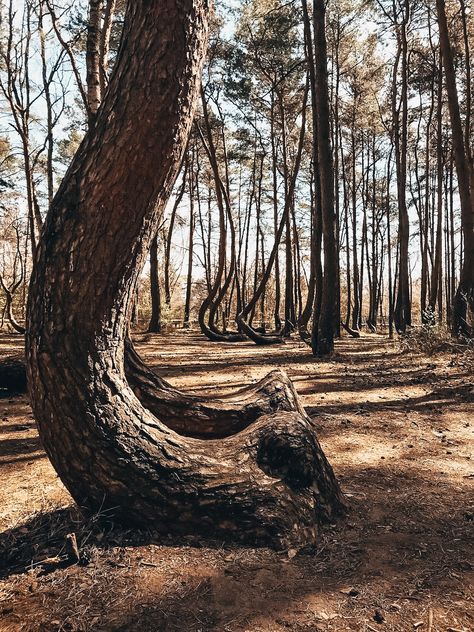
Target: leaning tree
[{"x": 268, "y": 482}]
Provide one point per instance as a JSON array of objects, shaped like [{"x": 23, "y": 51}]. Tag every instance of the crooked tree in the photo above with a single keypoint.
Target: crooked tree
[{"x": 271, "y": 482}]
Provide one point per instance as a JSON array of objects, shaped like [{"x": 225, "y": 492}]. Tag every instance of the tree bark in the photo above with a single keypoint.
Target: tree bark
[
  {"x": 316, "y": 272},
  {"x": 324, "y": 327},
  {"x": 463, "y": 304},
  {"x": 154, "y": 326},
  {"x": 402, "y": 308},
  {"x": 270, "y": 483},
  {"x": 93, "y": 57}
]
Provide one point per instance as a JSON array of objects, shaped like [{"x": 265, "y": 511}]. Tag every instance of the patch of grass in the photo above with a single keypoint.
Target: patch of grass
[{"x": 435, "y": 339}]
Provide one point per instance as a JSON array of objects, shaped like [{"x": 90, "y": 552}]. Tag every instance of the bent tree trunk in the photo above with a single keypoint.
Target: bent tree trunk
[{"x": 268, "y": 484}]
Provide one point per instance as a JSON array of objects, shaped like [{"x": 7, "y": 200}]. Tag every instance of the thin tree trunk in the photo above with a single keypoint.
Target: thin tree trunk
[
  {"x": 94, "y": 95},
  {"x": 463, "y": 305},
  {"x": 402, "y": 312},
  {"x": 109, "y": 13},
  {"x": 324, "y": 327},
  {"x": 155, "y": 290},
  {"x": 436, "y": 277},
  {"x": 192, "y": 221}
]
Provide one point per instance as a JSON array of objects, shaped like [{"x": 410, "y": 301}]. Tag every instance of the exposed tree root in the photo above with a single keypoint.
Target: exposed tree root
[
  {"x": 259, "y": 339},
  {"x": 352, "y": 332}
]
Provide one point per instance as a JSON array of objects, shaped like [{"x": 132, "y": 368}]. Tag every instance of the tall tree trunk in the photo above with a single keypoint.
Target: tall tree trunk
[
  {"x": 355, "y": 263},
  {"x": 170, "y": 233},
  {"x": 276, "y": 313},
  {"x": 192, "y": 222},
  {"x": 324, "y": 327},
  {"x": 94, "y": 95},
  {"x": 154, "y": 325},
  {"x": 268, "y": 484},
  {"x": 402, "y": 311},
  {"x": 316, "y": 273},
  {"x": 436, "y": 277},
  {"x": 389, "y": 249},
  {"x": 463, "y": 305}
]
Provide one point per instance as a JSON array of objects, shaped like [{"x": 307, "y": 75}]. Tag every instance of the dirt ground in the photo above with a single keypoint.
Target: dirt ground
[{"x": 398, "y": 430}]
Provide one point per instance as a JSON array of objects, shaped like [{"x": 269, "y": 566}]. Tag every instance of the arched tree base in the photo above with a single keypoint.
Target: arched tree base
[
  {"x": 352, "y": 332},
  {"x": 269, "y": 485},
  {"x": 209, "y": 417},
  {"x": 213, "y": 334},
  {"x": 259, "y": 339}
]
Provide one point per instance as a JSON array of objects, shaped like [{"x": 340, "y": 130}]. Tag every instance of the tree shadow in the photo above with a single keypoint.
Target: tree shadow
[
  {"x": 428, "y": 402},
  {"x": 18, "y": 448}
]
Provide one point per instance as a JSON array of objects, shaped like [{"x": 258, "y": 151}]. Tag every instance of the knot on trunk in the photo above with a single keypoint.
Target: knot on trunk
[{"x": 288, "y": 451}]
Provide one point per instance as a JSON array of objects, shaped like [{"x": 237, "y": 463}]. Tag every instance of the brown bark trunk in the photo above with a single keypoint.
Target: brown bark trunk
[
  {"x": 463, "y": 304},
  {"x": 402, "y": 310},
  {"x": 324, "y": 327},
  {"x": 268, "y": 484},
  {"x": 154, "y": 325},
  {"x": 315, "y": 280}
]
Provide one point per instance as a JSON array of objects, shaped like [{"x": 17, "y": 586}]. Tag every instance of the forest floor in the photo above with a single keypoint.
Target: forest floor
[{"x": 398, "y": 430}]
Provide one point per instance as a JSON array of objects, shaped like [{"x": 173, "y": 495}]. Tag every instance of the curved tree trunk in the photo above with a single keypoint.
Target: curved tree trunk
[
  {"x": 214, "y": 300},
  {"x": 260, "y": 339},
  {"x": 217, "y": 292},
  {"x": 202, "y": 416},
  {"x": 11, "y": 317},
  {"x": 268, "y": 484}
]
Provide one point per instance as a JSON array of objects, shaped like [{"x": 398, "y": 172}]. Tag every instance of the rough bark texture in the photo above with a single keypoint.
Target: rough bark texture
[
  {"x": 205, "y": 417},
  {"x": 268, "y": 484}
]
